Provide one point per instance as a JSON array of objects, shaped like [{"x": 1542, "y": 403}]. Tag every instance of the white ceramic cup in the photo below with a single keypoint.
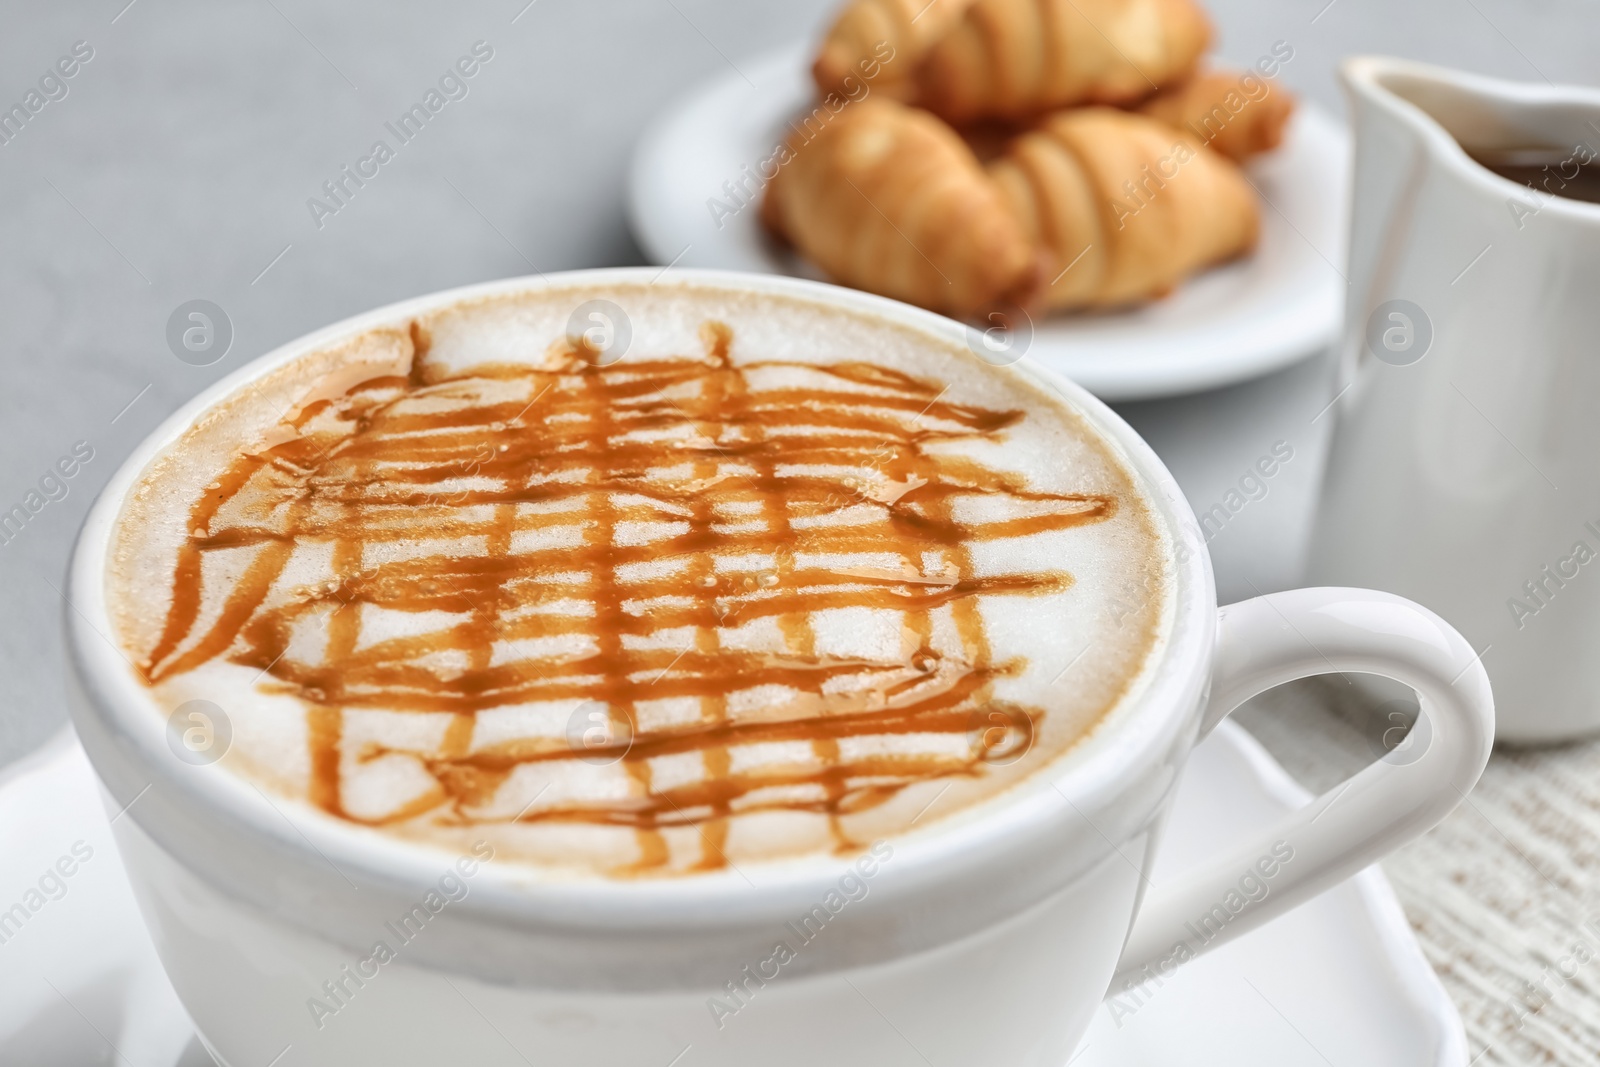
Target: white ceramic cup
[{"x": 987, "y": 939}]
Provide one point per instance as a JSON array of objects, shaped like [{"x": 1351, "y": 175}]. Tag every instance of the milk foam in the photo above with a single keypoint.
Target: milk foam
[{"x": 1072, "y": 654}]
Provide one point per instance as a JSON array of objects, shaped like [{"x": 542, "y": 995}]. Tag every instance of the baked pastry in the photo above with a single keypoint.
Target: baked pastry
[
  {"x": 1014, "y": 59},
  {"x": 1236, "y": 114},
  {"x": 880, "y": 43},
  {"x": 887, "y": 198},
  {"x": 1126, "y": 205}
]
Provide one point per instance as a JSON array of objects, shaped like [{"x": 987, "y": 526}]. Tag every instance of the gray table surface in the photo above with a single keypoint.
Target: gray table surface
[{"x": 179, "y": 164}]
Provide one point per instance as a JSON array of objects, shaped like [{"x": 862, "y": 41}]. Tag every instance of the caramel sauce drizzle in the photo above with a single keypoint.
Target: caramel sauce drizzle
[{"x": 422, "y": 486}]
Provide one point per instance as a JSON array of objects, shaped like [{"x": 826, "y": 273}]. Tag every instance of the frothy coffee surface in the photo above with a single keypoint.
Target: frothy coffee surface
[{"x": 781, "y": 580}]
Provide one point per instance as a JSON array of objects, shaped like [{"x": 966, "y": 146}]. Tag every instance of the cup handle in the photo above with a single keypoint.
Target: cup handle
[{"x": 1277, "y": 638}]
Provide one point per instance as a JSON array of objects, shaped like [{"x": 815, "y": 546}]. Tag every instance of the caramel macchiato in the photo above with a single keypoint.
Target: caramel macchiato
[{"x": 701, "y": 577}]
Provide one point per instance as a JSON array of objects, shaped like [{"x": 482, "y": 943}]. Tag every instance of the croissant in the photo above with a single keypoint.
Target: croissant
[
  {"x": 881, "y": 42},
  {"x": 1012, "y": 59},
  {"x": 1127, "y": 205},
  {"x": 1235, "y": 114},
  {"x": 887, "y": 198}
]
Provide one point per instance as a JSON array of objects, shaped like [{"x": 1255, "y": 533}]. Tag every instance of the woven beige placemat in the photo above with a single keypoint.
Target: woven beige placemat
[{"x": 1501, "y": 894}]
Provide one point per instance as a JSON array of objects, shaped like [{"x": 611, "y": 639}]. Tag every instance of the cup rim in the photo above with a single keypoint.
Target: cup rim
[{"x": 1137, "y": 735}]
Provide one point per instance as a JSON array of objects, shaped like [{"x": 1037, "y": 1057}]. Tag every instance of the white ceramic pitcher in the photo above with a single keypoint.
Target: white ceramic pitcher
[{"x": 1465, "y": 467}]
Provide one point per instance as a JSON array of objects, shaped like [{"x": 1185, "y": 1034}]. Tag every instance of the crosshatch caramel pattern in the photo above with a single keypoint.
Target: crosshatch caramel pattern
[{"x": 636, "y": 515}]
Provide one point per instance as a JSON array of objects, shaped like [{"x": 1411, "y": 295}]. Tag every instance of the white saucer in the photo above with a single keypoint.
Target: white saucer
[
  {"x": 1278, "y": 306},
  {"x": 1339, "y": 981}
]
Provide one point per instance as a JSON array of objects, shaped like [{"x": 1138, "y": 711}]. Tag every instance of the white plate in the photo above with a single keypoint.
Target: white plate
[
  {"x": 1239, "y": 321},
  {"x": 1341, "y": 980}
]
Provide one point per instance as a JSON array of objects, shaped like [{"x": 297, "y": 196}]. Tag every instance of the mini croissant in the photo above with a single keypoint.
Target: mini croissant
[
  {"x": 887, "y": 198},
  {"x": 1014, "y": 59},
  {"x": 1127, "y": 205},
  {"x": 1235, "y": 114},
  {"x": 882, "y": 42}
]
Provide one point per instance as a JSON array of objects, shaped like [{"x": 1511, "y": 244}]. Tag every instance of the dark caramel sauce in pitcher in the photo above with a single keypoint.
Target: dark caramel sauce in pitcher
[
  {"x": 1571, "y": 173},
  {"x": 601, "y": 507}
]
